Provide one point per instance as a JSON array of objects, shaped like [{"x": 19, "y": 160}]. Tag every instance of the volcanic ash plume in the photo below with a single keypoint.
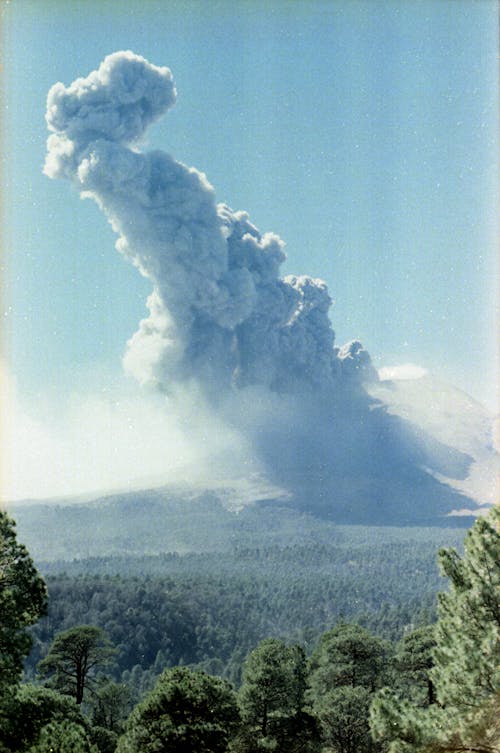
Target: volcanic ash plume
[
  {"x": 219, "y": 312},
  {"x": 223, "y": 324}
]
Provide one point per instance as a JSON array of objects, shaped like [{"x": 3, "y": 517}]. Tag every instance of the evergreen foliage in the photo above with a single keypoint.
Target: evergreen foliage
[
  {"x": 348, "y": 655},
  {"x": 348, "y": 666},
  {"x": 74, "y": 658},
  {"x": 211, "y": 609},
  {"x": 63, "y": 737},
  {"x": 412, "y": 662},
  {"x": 30, "y": 710},
  {"x": 110, "y": 705},
  {"x": 187, "y": 712},
  {"x": 342, "y": 714},
  {"x": 157, "y": 521},
  {"x": 23, "y": 599},
  {"x": 466, "y": 671},
  {"x": 272, "y": 701}
]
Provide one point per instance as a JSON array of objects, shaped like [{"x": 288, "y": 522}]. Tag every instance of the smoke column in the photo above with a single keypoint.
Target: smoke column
[
  {"x": 219, "y": 311},
  {"x": 222, "y": 322}
]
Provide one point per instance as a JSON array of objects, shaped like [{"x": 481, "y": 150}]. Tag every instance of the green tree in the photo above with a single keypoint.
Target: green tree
[
  {"x": 31, "y": 709},
  {"x": 186, "y": 712},
  {"x": 104, "y": 740},
  {"x": 466, "y": 672},
  {"x": 23, "y": 599},
  {"x": 345, "y": 670},
  {"x": 111, "y": 705},
  {"x": 63, "y": 737},
  {"x": 343, "y": 717},
  {"x": 412, "y": 662},
  {"x": 272, "y": 699},
  {"x": 74, "y": 658},
  {"x": 348, "y": 655}
]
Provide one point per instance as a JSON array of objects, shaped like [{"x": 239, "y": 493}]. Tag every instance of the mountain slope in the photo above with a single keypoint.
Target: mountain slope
[
  {"x": 415, "y": 452},
  {"x": 439, "y": 412}
]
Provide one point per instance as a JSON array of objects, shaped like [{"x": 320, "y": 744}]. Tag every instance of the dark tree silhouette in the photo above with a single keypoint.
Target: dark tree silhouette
[{"x": 74, "y": 657}]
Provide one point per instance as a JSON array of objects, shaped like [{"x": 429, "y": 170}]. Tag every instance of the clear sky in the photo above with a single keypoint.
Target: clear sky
[{"x": 364, "y": 133}]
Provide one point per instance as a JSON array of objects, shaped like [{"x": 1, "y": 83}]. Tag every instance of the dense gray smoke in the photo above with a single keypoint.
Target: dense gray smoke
[
  {"x": 259, "y": 347},
  {"x": 219, "y": 312}
]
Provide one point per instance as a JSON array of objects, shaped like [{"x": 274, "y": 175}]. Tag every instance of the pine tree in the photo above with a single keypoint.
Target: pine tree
[
  {"x": 466, "y": 672},
  {"x": 412, "y": 662},
  {"x": 345, "y": 670},
  {"x": 63, "y": 737},
  {"x": 23, "y": 600},
  {"x": 272, "y": 700},
  {"x": 74, "y": 658},
  {"x": 186, "y": 712}
]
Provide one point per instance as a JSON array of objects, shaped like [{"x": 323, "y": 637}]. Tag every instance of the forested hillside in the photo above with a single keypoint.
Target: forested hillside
[
  {"x": 180, "y": 653},
  {"x": 182, "y": 520},
  {"x": 208, "y": 609}
]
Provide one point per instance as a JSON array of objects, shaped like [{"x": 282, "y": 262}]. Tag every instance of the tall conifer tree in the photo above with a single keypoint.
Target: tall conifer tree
[{"x": 466, "y": 672}]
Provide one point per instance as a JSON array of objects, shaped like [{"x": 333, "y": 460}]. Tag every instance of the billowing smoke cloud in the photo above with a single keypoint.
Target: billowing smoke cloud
[
  {"x": 107, "y": 437},
  {"x": 259, "y": 347},
  {"x": 219, "y": 312}
]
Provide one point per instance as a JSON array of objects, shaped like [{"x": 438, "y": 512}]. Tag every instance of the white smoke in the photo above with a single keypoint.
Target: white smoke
[
  {"x": 102, "y": 440},
  {"x": 219, "y": 312}
]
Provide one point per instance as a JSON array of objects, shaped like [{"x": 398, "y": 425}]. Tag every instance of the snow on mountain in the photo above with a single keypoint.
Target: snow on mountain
[{"x": 438, "y": 410}]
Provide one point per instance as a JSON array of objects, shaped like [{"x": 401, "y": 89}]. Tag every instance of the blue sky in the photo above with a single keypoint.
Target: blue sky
[{"x": 364, "y": 133}]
